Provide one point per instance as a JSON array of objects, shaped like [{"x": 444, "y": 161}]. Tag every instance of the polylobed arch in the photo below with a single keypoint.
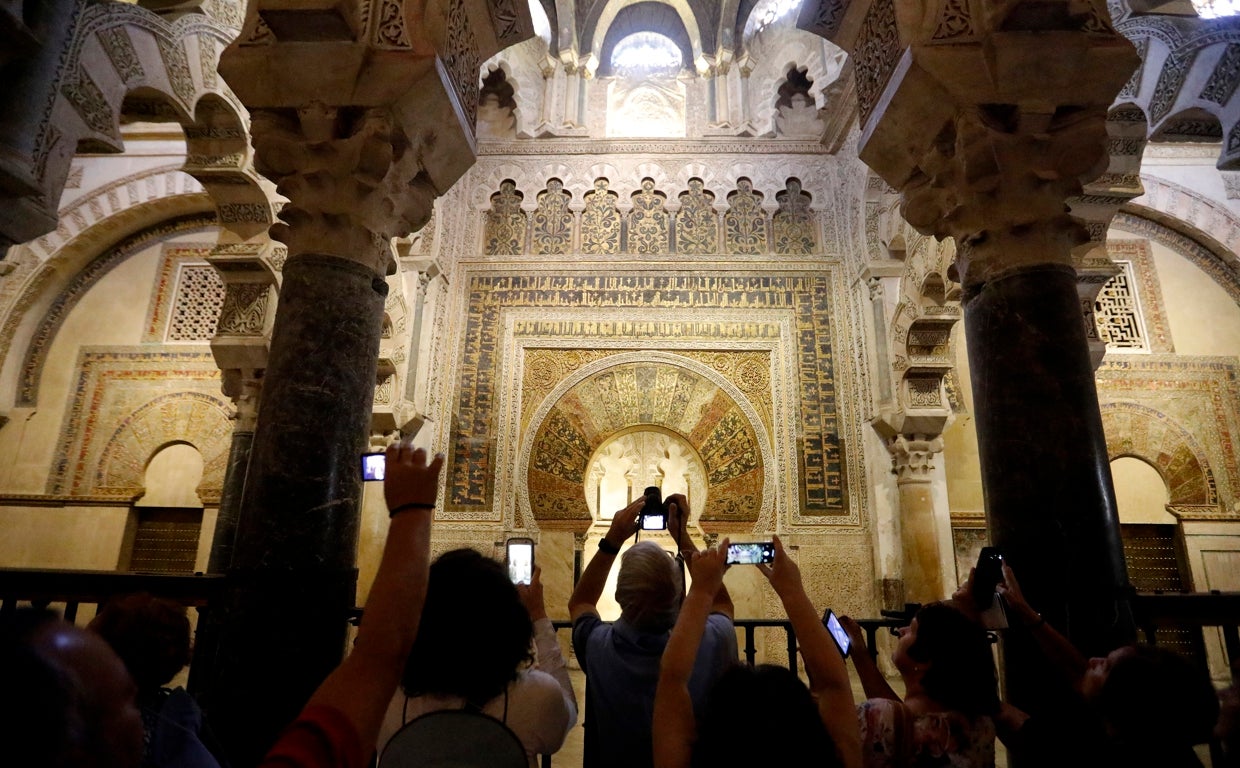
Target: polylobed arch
[{"x": 728, "y": 436}]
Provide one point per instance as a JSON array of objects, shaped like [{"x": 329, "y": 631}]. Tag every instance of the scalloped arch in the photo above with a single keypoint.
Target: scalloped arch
[{"x": 1148, "y": 434}]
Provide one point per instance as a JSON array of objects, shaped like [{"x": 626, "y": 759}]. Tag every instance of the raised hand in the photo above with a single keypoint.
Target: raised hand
[
  {"x": 532, "y": 595},
  {"x": 783, "y": 573},
  {"x": 410, "y": 483},
  {"x": 707, "y": 568},
  {"x": 855, "y": 633},
  {"x": 624, "y": 523}
]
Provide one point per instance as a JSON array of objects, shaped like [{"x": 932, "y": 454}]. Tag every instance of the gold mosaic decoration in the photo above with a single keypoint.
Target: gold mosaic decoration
[
  {"x": 652, "y": 394},
  {"x": 552, "y": 224},
  {"x": 505, "y": 225},
  {"x": 600, "y": 221},
  {"x": 648, "y": 221},
  {"x": 816, "y": 446},
  {"x": 744, "y": 223}
]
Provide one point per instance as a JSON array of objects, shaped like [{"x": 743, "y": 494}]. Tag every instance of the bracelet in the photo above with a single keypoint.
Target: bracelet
[
  {"x": 606, "y": 546},
  {"x": 409, "y": 506}
]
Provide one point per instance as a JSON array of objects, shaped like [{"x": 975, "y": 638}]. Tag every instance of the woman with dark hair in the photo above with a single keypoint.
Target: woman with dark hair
[
  {"x": 951, "y": 694},
  {"x": 151, "y": 636},
  {"x": 1137, "y": 706},
  {"x": 473, "y": 651},
  {"x": 745, "y": 706}
]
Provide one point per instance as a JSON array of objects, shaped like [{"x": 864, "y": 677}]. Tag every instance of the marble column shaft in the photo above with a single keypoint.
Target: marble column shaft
[
  {"x": 1050, "y": 504},
  {"x": 293, "y": 576}
]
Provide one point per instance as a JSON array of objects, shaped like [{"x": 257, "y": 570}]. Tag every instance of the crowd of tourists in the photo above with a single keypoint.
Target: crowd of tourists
[{"x": 445, "y": 646}]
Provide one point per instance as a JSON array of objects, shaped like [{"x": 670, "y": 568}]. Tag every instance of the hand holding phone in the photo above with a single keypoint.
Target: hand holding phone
[
  {"x": 374, "y": 465},
  {"x": 837, "y": 632},
  {"x": 654, "y": 515},
  {"x": 519, "y": 555},
  {"x": 751, "y": 553},
  {"x": 986, "y": 576}
]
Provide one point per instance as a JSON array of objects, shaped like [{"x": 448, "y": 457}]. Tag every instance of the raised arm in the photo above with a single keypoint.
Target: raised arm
[
  {"x": 590, "y": 587},
  {"x": 549, "y": 657},
  {"x": 828, "y": 677},
  {"x": 361, "y": 687},
  {"x": 1057, "y": 648},
  {"x": 675, "y": 729},
  {"x": 678, "y": 527},
  {"x": 873, "y": 682}
]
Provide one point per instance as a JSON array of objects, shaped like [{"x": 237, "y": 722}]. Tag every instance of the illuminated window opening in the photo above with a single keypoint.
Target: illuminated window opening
[{"x": 646, "y": 54}]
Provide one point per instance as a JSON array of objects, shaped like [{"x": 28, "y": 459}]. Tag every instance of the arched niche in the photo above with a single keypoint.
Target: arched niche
[
  {"x": 1141, "y": 495},
  {"x": 646, "y": 390},
  {"x": 1164, "y": 444},
  {"x": 633, "y": 459},
  {"x": 172, "y": 477}
]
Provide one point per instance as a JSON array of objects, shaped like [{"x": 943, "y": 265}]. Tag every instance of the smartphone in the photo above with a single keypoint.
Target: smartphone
[
  {"x": 520, "y": 558},
  {"x": 374, "y": 465},
  {"x": 986, "y": 576},
  {"x": 837, "y": 631},
  {"x": 751, "y": 553},
  {"x": 654, "y": 515}
]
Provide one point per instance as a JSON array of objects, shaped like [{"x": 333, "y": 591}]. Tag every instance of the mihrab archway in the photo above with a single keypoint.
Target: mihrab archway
[{"x": 654, "y": 389}]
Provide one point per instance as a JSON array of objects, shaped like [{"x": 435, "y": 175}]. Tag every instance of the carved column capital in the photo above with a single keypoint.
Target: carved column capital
[
  {"x": 979, "y": 115},
  {"x": 912, "y": 456},
  {"x": 353, "y": 180}
]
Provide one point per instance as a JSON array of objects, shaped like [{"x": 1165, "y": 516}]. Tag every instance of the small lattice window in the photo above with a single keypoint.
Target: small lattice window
[
  {"x": 196, "y": 309},
  {"x": 1117, "y": 312}
]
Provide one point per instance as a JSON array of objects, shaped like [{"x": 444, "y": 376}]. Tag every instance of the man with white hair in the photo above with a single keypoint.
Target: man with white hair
[{"x": 621, "y": 660}]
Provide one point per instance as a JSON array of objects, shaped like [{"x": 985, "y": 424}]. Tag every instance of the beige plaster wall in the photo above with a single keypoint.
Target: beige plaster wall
[
  {"x": 1140, "y": 493},
  {"x": 110, "y": 313},
  {"x": 1204, "y": 320},
  {"x": 87, "y": 538}
]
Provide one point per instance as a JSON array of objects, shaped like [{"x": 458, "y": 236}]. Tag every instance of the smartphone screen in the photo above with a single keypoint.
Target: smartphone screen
[
  {"x": 373, "y": 465},
  {"x": 751, "y": 553},
  {"x": 520, "y": 559},
  {"x": 654, "y": 516},
  {"x": 838, "y": 633}
]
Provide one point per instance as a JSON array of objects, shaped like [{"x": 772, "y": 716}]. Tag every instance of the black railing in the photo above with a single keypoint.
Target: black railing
[{"x": 72, "y": 589}]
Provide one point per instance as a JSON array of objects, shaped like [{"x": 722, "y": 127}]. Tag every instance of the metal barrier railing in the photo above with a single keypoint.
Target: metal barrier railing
[{"x": 73, "y": 589}]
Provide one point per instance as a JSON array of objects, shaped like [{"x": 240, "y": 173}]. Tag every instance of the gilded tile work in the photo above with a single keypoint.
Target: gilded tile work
[
  {"x": 648, "y": 221},
  {"x": 1187, "y": 407},
  {"x": 793, "y": 223},
  {"x": 804, "y": 297},
  {"x": 505, "y": 224},
  {"x": 646, "y": 393},
  {"x": 697, "y": 226},
  {"x": 153, "y": 398},
  {"x": 600, "y": 221},
  {"x": 744, "y": 223},
  {"x": 552, "y": 224}
]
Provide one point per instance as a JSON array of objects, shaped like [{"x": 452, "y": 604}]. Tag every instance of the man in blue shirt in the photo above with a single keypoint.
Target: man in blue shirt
[{"x": 621, "y": 660}]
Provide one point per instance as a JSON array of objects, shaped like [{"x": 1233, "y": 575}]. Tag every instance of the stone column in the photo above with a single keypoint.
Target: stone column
[
  {"x": 913, "y": 460},
  {"x": 983, "y": 123},
  {"x": 361, "y": 125}
]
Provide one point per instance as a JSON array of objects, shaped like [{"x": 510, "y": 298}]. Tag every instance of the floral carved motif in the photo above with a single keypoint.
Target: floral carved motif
[
  {"x": 552, "y": 223},
  {"x": 600, "y": 221},
  {"x": 648, "y": 221},
  {"x": 793, "y": 223},
  {"x": 697, "y": 228},
  {"x": 505, "y": 225},
  {"x": 744, "y": 223}
]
